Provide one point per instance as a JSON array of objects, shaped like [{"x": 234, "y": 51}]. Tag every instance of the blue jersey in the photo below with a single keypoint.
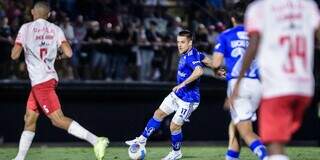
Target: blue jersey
[
  {"x": 187, "y": 63},
  {"x": 232, "y": 44}
]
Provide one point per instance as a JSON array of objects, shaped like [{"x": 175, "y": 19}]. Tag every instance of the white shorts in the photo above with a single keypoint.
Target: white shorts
[
  {"x": 247, "y": 102},
  {"x": 183, "y": 109}
]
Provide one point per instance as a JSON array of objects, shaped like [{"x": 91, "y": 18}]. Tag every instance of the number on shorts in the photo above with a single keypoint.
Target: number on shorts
[{"x": 184, "y": 111}]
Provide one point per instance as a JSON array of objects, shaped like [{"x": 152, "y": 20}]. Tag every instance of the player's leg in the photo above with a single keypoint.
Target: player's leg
[
  {"x": 74, "y": 128},
  {"x": 295, "y": 106},
  {"x": 30, "y": 119},
  {"x": 243, "y": 113},
  {"x": 243, "y": 116},
  {"x": 176, "y": 141},
  {"x": 252, "y": 140},
  {"x": 152, "y": 125},
  {"x": 233, "y": 152},
  {"x": 298, "y": 109},
  {"x": 50, "y": 104},
  {"x": 167, "y": 107},
  {"x": 182, "y": 115},
  {"x": 274, "y": 125}
]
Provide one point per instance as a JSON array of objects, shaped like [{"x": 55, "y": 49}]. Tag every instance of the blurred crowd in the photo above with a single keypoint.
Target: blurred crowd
[{"x": 127, "y": 40}]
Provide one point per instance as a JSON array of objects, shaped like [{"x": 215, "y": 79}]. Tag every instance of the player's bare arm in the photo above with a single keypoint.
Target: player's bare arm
[
  {"x": 217, "y": 60},
  {"x": 16, "y": 51},
  {"x": 197, "y": 72},
  {"x": 207, "y": 61},
  {"x": 251, "y": 53},
  {"x": 66, "y": 50}
]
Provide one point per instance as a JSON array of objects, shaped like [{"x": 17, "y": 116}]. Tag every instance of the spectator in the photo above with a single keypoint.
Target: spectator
[
  {"x": 64, "y": 68},
  {"x": 6, "y": 43},
  {"x": 121, "y": 41},
  {"x": 127, "y": 27},
  {"x": 97, "y": 55},
  {"x": 80, "y": 31}
]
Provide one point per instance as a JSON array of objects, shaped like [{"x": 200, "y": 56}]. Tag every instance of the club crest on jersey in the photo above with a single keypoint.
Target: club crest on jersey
[{"x": 181, "y": 74}]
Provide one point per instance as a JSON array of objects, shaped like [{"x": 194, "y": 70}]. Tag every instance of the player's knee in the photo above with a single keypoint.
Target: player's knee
[
  {"x": 29, "y": 124},
  {"x": 159, "y": 114},
  {"x": 29, "y": 121},
  {"x": 57, "y": 122},
  {"x": 174, "y": 127}
]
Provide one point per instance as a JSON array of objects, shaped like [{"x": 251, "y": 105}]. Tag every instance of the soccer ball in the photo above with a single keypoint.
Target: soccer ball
[{"x": 137, "y": 152}]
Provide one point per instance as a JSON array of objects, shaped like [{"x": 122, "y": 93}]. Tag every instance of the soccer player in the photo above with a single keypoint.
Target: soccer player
[
  {"x": 282, "y": 36},
  {"x": 183, "y": 99},
  {"x": 231, "y": 46},
  {"x": 40, "y": 41}
]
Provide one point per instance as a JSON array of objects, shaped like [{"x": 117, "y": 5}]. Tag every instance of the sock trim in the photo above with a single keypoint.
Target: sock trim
[
  {"x": 157, "y": 119},
  {"x": 176, "y": 132},
  {"x": 232, "y": 153},
  {"x": 255, "y": 144}
]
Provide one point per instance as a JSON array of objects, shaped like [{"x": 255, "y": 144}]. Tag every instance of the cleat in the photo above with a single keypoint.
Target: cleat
[
  {"x": 100, "y": 147},
  {"x": 173, "y": 155},
  {"x": 134, "y": 141}
]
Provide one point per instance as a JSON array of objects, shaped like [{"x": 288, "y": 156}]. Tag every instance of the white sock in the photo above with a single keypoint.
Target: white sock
[
  {"x": 77, "y": 130},
  {"x": 24, "y": 144},
  {"x": 278, "y": 157}
]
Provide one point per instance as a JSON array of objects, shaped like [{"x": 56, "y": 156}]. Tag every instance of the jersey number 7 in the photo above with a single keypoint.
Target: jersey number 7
[{"x": 43, "y": 53}]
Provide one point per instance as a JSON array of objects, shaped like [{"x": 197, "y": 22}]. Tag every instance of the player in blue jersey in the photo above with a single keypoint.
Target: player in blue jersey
[
  {"x": 184, "y": 98},
  {"x": 230, "y": 48}
]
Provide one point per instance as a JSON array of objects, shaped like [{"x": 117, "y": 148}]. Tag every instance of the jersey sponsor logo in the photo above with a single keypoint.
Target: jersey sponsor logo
[
  {"x": 195, "y": 62},
  {"x": 46, "y": 37},
  {"x": 43, "y": 29}
]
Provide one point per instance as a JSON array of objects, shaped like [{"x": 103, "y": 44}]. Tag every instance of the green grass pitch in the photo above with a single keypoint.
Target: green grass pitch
[{"x": 153, "y": 153}]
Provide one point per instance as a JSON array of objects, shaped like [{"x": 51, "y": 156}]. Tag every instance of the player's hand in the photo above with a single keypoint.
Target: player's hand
[
  {"x": 229, "y": 103},
  {"x": 221, "y": 73},
  {"x": 178, "y": 87}
]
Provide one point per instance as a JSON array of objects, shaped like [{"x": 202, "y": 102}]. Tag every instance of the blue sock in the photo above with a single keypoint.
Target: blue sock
[
  {"x": 259, "y": 149},
  {"x": 232, "y": 155},
  {"x": 176, "y": 140},
  {"x": 152, "y": 125}
]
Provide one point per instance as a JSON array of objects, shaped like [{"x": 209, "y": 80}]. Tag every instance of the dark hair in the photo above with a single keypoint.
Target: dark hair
[
  {"x": 186, "y": 33},
  {"x": 238, "y": 10}
]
